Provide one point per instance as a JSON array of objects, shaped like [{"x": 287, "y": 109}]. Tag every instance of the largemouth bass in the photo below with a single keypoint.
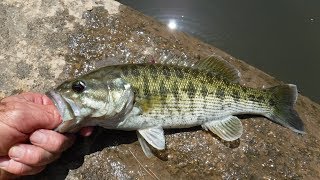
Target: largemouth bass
[{"x": 151, "y": 97}]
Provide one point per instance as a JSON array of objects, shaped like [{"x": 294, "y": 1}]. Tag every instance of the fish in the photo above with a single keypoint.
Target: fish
[{"x": 150, "y": 97}]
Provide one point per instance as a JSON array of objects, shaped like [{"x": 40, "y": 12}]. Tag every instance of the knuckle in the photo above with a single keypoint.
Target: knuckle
[
  {"x": 9, "y": 106},
  {"x": 54, "y": 142},
  {"x": 21, "y": 169},
  {"x": 11, "y": 111},
  {"x": 17, "y": 168},
  {"x": 39, "y": 157},
  {"x": 35, "y": 157},
  {"x": 31, "y": 155},
  {"x": 57, "y": 144}
]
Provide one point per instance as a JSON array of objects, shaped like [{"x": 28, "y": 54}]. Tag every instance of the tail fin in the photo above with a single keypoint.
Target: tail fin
[{"x": 283, "y": 100}]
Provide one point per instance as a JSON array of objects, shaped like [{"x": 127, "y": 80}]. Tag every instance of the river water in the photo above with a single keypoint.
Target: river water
[{"x": 281, "y": 38}]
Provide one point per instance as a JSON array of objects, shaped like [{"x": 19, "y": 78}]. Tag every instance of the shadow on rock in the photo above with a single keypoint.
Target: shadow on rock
[
  {"x": 102, "y": 138},
  {"x": 229, "y": 144},
  {"x": 73, "y": 158}
]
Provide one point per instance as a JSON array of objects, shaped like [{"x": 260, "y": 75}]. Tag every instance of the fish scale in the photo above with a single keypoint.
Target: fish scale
[
  {"x": 150, "y": 97},
  {"x": 171, "y": 105}
]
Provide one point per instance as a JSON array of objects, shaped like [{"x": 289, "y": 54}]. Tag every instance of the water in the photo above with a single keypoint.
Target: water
[{"x": 281, "y": 38}]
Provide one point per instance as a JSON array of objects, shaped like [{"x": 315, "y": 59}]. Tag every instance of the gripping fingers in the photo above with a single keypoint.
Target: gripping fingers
[
  {"x": 31, "y": 155},
  {"x": 51, "y": 141},
  {"x": 18, "y": 168}
]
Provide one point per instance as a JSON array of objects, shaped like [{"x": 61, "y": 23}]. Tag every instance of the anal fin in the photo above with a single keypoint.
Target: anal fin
[{"x": 228, "y": 129}]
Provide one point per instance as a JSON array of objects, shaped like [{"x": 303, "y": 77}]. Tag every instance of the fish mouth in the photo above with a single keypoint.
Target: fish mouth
[
  {"x": 68, "y": 110},
  {"x": 59, "y": 102},
  {"x": 66, "y": 107}
]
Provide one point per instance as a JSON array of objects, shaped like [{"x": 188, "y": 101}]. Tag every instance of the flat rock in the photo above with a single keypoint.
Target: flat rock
[{"x": 43, "y": 43}]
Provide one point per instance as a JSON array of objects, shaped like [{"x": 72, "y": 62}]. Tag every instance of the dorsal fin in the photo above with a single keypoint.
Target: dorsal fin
[{"x": 220, "y": 69}]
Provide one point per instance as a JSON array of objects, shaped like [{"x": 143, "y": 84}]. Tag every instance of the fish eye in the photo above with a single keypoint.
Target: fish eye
[{"x": 78, "y": 86}]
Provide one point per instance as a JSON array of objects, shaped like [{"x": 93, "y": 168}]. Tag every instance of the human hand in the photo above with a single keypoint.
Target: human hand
[{"x": 28, "y": 142}]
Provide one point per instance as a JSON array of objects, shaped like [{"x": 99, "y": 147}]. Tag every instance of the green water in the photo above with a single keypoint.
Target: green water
[{"x": 281, "y": 38}]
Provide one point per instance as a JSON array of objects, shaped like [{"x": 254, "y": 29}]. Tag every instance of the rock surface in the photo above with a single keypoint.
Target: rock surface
[{"x": 43, "y": 43}]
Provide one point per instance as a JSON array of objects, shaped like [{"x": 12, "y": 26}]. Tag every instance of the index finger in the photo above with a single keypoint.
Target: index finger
[
  {"x": 28, "y": 117},
  {"x": 36, "y": 98}
]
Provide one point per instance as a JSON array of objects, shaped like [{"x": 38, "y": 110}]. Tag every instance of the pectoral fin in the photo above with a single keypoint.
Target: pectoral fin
[
  {"x": 154, "y": 136},
  {"x": 228, "y": 129}
]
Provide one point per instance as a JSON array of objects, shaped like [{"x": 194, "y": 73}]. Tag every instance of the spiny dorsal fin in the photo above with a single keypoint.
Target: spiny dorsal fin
[{"x": 220, "y": 68}]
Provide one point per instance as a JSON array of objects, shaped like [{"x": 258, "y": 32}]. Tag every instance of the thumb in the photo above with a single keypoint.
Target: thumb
[
  {"x": 41, "y": 117},
  {"x": 28, "y": 116}
]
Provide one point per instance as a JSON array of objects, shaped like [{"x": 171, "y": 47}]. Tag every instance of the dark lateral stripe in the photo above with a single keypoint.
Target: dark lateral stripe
[
  {"x": 153, "y": 71},
  {"x": 166, "y": 71},
  {"x": 191, "y": 90},
  {"x": 261, "y": 99},
  {"x": 236, "y": 95},
  {"x": 163, "y": 95},
  {"x": 135, "y": 72},
  {"x": 272, "y": 102},
  {"x": 146, "y": 87},
  {"x": 179, "y": 73},
  {"x": 251, "y": 97},
  {"x": 220, "y": 92},
  {"x": 204, "y": 91},
  {"x": 175, "y": 90},
  {"x": 125, "y": 70},
  {"x": 195, "y": 73},
  {"x": 163, "y": 89},
  {"x": 175, "y": 93}
]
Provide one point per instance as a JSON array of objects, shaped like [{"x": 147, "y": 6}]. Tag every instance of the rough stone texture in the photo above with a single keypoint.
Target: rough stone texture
[{"x": 43, "y": 43}]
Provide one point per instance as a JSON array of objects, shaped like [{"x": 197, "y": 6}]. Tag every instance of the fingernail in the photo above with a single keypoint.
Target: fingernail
[
  {"x": 16, "y": 152},
  {"x": 38, "y": 137}
]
